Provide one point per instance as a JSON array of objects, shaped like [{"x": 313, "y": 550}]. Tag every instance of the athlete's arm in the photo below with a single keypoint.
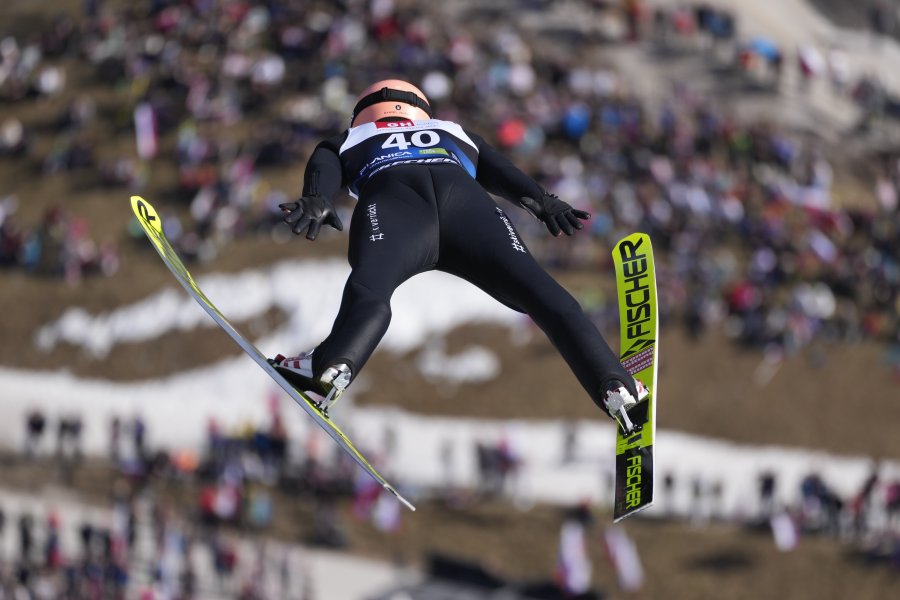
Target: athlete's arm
[
  {"x": 324, "y": 175},
  {"x": 322, "y": 181},
  {"x": 498, "y": 175}
]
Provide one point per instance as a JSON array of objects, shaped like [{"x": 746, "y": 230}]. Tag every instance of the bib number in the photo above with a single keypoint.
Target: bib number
[{"x": 419, "y": 139}]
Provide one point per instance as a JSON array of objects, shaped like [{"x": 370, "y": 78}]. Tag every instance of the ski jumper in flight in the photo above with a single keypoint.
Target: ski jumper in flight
[{"x": 422, "y": 186}]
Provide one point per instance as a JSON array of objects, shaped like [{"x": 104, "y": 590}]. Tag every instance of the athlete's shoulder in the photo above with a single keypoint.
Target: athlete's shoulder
[{"x": 334, "y": 142}]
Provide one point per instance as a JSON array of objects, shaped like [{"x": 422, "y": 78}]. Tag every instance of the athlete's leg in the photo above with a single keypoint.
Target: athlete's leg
[
  {"x": 480, "y": 244},
  {"x": 393, "y": 236}
]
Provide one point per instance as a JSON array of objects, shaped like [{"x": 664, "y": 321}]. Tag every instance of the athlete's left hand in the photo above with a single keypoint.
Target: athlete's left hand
[
  {"x": 556, "y": 214},
  {"x": 309, "y": 213}
]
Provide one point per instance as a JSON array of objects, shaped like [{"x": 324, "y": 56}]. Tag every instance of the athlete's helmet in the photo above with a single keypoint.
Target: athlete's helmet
[{"x": 390, "y": 98}]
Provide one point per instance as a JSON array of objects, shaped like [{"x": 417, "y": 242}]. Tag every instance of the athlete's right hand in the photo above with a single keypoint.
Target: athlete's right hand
[
  {"x": 309, "y": 213},
  {"x": 557, "y": 215}
]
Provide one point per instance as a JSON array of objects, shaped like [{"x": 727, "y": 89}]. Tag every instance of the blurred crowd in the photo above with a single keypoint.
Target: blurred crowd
[
  {"x": 58, "y": 246},
  {"x": 179, "y": 518},
  {"x": 182, "y": 523},
  {"x": 226, "y": 93},
  {"x": 868, "y": 518},
  {"x": 141, "y": 548},
  {"x": 221, "y": 98}
]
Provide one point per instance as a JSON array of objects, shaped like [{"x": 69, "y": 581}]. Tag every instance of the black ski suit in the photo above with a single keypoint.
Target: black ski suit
[{"x": 422, "y": 205}]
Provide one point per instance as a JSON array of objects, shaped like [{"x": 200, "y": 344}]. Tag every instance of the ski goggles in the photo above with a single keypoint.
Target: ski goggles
[{"x": 386, "y": 94}]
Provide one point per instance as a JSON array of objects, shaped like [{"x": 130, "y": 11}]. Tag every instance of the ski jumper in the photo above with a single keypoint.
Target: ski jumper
[{"x": 423, "y": 203}]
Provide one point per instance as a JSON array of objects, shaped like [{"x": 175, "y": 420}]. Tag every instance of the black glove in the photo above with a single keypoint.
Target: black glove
[
  {"x": 309, "y": 212},
  {"x": 556, "y": 214}
]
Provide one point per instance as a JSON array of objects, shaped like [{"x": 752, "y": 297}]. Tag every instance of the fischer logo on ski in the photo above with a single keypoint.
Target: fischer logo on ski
[
  {"x": 634, "y": 477},
  {"x": 636, "y": 291},
  {"x": 638, "y": 351}
]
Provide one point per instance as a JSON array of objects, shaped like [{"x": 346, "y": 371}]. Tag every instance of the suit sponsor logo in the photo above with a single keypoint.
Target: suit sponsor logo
[
  {"x": 394, "y": 124},
  {"x": 372, "y": 212},
  {"x": 514, "y": 238}
]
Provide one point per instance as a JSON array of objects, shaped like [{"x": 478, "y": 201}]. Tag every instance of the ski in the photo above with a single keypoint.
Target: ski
[
  {"x": 639, "y": 349},
  {"x": 152, "y": 226}
]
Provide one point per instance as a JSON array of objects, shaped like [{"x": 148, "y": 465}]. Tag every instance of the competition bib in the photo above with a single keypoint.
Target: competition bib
[{"x": 373, "y": 147}]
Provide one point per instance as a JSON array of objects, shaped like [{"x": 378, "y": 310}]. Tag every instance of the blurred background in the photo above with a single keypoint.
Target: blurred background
[{"x": 144, "y": 456}]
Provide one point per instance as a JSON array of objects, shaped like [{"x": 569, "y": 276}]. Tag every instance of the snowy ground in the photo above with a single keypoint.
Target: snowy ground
[{"x": 236, "y": 391}]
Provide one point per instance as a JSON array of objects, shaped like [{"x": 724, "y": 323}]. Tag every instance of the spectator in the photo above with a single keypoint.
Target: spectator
[
  {"x": 138, "y": 436},
  {"x": 34, "y": 431},
  {"x": 115, "y": 438},
  {"x": 26, "y": 538},
  {"x": 767, "y": 484}
]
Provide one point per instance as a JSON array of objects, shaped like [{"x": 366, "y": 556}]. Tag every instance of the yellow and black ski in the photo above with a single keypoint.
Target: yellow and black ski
[
  {"x": 152, "y": 225},
  {"x": 639, "y": 349}
]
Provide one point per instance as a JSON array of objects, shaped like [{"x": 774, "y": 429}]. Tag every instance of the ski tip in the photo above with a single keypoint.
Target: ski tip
[
  {"x": 137, "y": 201},
  {"x": 146, "y": 213}
]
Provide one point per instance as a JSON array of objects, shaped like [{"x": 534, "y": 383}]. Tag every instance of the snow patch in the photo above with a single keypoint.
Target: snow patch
[{"x": 309, "y": 292}]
